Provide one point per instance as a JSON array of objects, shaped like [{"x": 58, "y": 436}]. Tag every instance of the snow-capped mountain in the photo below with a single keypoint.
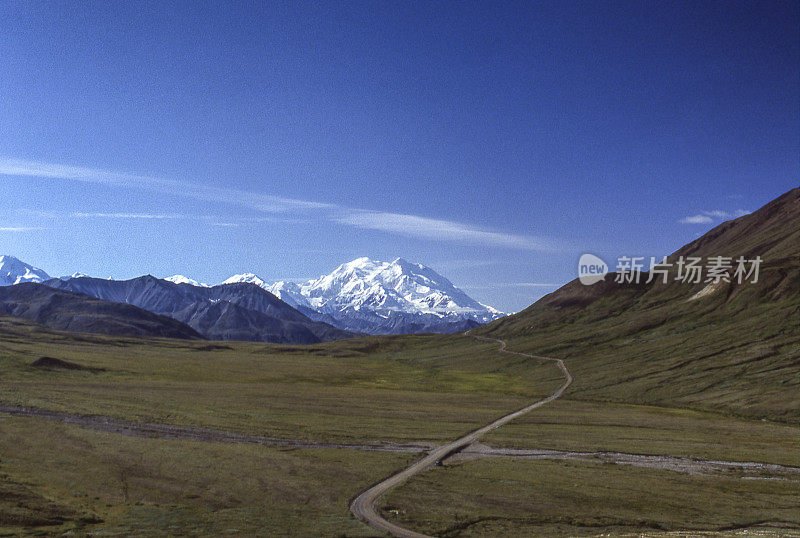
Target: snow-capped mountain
[
  {"x": 382, "y": 297},
  {"x": 180, "y": 279},
  {"x": 395, "y": 286},
  {"x": 14, "y": 271},
  {"x": 249, "y": 278},
  {"x": 289, "y": 292},
  {"x": 363, "y": 295}
]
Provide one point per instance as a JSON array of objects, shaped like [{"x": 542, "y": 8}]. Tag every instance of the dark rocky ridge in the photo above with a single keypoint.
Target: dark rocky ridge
[
  {"x": 240, "y": 311},
  {"x": 68, "y": 311}
]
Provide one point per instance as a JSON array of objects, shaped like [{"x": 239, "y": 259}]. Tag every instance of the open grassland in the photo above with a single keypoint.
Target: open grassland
[
  {"x": 417, "y": 388},
  {"x": 58, "y": 477},
  {"x": 601, "y": 426},
  {"x": 546, "y": 498}
]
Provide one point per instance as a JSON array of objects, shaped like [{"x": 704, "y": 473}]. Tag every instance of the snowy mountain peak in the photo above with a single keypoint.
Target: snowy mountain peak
[
  {"x": 371, "y": 295},
  {"x": 250, "y": 278},
  {"x": 398, "y": 286},
  {"x": 14, "y": 271},
  {"x": 406, "y": 265},
  {"x": 288, "y": 292},
  {"x": 180, "y": 279}
]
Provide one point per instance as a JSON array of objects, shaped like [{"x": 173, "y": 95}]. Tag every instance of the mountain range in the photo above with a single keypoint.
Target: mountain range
[
  {"x": 226, "y": 312},
  {"x": 377, "y": 297},
  {"x": 362, "y": 296},
  {"x": 68, "y": 311}
]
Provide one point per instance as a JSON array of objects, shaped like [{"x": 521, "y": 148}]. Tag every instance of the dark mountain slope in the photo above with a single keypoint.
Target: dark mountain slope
[
  {"x": 230, "y": 312},
  {"x": 726, "y": 346},
  {"x": 69, "y": 311}
]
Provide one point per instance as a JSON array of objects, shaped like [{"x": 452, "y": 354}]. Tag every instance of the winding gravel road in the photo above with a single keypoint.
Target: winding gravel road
[{"x": 363, "y": 506}]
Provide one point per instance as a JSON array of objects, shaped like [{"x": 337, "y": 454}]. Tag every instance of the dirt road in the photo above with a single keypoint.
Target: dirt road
[{"x": 363, "y": 506}]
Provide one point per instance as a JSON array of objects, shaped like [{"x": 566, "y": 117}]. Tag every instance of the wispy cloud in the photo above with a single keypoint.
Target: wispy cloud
[
  {"x": 718, "y": 213},
  {"x": 20, "y": 228},
  {"x": 438, "y": 229},
  {"x": 129, "y": 216},
  {"x": 513, "y": 285},
  {"x": 707, "y": 217},
  {"x": 697, "y": 219},
  {"x": 470, "y": 263},
  {"x": 395, "y": 223},
  {"x": 262, "y": 202}
]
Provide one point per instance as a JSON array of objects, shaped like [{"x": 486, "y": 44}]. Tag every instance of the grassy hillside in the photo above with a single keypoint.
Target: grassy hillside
[{"x": 735, "y": 348}]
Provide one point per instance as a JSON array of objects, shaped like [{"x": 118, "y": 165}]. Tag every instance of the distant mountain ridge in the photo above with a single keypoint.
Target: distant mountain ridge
[
  {"x": 364, "y": 296},
  {"x": 68, "y": 311},
  {"x": 226, "y": 312}
]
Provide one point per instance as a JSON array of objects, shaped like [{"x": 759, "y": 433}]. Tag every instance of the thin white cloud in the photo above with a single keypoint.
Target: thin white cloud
[
  {"x": 514, "y": 285},
  {"x": 697, "y": 219},
  {"x": 709, "y": 216},
  {"x": 718, "y": 213},
  {"x": 396, "y": 223},
  {"x": 19, "y": 229},
  {"x": 437, "y": 229},
  {"x": 261, "y": 202},
  {"x": 470, "y": 263},
  {"x": 129, "y": 216}
]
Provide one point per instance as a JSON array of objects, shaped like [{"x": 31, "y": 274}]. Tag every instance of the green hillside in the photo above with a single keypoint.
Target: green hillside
[{"x": 732, "y": 347}]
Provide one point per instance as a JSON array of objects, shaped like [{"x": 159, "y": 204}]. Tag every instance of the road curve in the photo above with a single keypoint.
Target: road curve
[{"x": 363, "y": 506}]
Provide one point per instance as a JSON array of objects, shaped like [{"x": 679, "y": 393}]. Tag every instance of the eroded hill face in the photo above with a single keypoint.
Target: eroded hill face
[{"x": 724, "y": 345}]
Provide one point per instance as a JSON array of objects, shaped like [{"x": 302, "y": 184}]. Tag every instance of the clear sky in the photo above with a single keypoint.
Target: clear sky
[{"x": 494, "y": 142}]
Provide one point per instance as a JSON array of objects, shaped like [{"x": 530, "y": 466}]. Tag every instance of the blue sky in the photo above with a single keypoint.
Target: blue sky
[{"x": 494, "y": 143}]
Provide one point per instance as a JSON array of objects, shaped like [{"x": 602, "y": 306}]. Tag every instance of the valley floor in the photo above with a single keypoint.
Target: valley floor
[{"x": 211, "y": 460}]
